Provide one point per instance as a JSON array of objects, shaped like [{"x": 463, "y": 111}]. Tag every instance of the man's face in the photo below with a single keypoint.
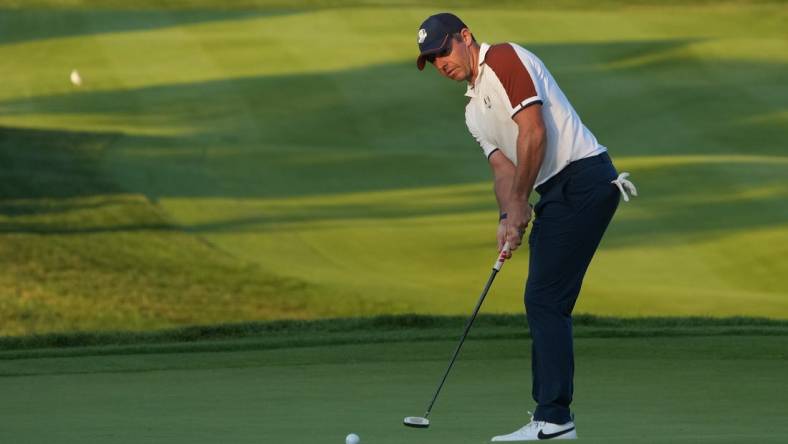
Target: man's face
[{"x": 454, "y": 61}]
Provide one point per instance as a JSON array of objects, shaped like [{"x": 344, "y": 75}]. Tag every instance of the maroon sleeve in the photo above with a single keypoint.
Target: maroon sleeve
[{"x": 514, "y": 77}]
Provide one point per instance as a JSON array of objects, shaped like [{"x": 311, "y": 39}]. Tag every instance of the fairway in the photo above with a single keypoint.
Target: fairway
[
  {"x": 269, "y": 162},
  {"x": 681, "y": 389}
]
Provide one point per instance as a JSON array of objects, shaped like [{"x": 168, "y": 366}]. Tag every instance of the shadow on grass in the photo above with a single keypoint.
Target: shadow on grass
[
  {"x": 390, "y": 127},
  {"x": 42, "y": 163},
  {"x": 695, "y": 215},
  {"x": 22, "y": 25},
  {"x": 679, "y": 105}
]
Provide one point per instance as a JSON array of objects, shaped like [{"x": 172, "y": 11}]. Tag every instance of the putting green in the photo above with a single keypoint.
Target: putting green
[
  {"x": 689, "y": 389},
  {"x": 269, "y": 162}
]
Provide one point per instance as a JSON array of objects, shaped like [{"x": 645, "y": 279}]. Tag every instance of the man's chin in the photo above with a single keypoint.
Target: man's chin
[{"x": 456, "y": 75}]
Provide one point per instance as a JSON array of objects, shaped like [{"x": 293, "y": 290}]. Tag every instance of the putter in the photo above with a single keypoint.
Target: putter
[{"x": 424, "y": 422}]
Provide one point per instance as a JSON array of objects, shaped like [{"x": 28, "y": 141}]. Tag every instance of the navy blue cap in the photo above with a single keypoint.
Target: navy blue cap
[{"x": 435, "y": 33}]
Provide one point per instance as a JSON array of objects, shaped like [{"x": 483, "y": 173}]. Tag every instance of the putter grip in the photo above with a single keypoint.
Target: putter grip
[{"x": 501, "y": 257}]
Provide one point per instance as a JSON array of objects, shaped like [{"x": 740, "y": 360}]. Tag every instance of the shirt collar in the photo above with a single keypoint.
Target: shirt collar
[{"x": 471, "y": 91}]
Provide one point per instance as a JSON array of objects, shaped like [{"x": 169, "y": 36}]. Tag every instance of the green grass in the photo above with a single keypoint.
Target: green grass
[
  {"x": 379, "y": 329},
  {"x": 273, "y": 161},
  {"x": 225, "y": 164},
  {"x": 692, "y": 388}
]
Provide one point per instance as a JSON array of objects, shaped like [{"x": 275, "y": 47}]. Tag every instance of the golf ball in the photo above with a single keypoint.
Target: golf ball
[
  {"x": 76, "y": 79},
  {"x": 352, "y": 439}
]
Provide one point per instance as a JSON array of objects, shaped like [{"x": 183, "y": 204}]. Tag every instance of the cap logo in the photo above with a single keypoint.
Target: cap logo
[{"x": 422, "y": 35}]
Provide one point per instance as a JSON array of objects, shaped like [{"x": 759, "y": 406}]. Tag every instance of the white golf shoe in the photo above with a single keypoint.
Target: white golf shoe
[{"x": 539, "y": 430}]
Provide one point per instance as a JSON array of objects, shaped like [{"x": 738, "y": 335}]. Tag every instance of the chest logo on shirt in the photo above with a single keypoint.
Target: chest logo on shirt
[{"x": 487, "y": 102}]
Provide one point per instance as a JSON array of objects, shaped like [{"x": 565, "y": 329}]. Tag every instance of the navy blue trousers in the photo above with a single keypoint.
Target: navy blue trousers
[{"x": 574, "y": 209}]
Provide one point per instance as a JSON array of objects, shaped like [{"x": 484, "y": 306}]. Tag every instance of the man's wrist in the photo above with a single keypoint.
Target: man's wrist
[
  {"x": 502, "y": 216},
  {"x": 520, "y": 197}
]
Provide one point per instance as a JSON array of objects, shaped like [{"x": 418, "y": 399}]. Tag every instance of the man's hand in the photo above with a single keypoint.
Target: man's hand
[
  {"x": 502, "y": 238},
  {"x": 518, "y": 217}
]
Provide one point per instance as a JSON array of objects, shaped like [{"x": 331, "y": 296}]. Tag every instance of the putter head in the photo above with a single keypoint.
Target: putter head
[{"x": 416, "y": 421}]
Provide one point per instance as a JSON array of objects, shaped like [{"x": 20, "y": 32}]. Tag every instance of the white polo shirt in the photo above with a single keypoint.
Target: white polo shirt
[{"x": 510, "y": 79}]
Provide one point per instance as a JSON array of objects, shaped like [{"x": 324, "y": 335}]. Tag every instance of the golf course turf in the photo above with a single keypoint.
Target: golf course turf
[
  {"x": 256, "y": 221},
  {"x": 650, "y": 380},
  {"x": 257, "y": 161}
]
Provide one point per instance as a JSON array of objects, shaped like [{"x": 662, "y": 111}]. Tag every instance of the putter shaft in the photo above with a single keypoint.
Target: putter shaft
[{"x": 468, "y": 325}]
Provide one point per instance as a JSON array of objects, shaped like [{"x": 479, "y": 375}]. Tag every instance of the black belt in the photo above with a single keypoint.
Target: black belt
[{"x": 572, "y": 168}]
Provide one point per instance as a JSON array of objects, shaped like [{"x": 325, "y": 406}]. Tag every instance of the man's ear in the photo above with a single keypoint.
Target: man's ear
[{"x": 467, "y": 37}]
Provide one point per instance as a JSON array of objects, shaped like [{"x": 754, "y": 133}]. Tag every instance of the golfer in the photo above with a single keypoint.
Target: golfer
[{"x": 534, "y": 139}]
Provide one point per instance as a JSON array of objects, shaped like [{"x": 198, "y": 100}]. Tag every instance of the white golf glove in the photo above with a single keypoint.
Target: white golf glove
[{"x": 624, "y": 185}]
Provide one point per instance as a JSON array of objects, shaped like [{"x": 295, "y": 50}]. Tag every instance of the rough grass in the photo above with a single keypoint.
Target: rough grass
[{"x": 379, "y": 329}]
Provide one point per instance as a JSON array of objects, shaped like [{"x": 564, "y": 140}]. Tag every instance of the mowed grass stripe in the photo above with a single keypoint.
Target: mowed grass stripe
[{"x": 236, "y": 167}]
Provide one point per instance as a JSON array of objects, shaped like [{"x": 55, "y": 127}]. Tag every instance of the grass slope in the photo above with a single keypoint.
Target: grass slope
[
  {"x": 262, "y": 163},
  {"x": 79, "y": 253}
]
